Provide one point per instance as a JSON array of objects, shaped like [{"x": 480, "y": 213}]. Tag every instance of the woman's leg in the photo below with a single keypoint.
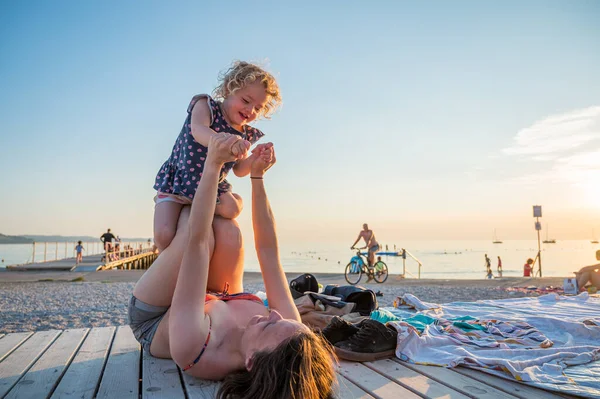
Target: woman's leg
[
  {"x": 166, "y": 214},
  {"x": 226, "y": 266},
  {"x": 157, "y": 285}
]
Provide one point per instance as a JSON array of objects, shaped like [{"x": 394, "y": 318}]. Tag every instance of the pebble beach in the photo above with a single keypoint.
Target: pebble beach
[{"x": 34, "y": 301}]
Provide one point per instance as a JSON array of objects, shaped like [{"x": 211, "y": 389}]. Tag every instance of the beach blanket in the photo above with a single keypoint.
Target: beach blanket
[{"x": 552, "y": 341}]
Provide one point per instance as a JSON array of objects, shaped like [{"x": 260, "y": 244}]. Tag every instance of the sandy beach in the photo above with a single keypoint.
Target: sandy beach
[{"x": 31, "y": 301}]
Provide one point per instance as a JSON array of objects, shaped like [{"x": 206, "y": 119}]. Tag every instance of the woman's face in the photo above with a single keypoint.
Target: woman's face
[{"x": 266, "y": 332}]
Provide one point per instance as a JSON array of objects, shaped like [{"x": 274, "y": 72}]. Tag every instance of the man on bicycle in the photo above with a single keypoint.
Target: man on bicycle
[{"x": 370, "y": 241}]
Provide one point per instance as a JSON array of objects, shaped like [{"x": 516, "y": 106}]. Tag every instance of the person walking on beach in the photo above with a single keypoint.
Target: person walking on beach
[
  {"x": 370, "y": 243},
  {"x": 246, "y": 92},
  {"x": 499, "y": 269},
  {"x": 107, "y": 239},
  {"x": 488, "y": 263},
  {"x": 79, "y": 250},
  {"x": 488, "y": 267}
]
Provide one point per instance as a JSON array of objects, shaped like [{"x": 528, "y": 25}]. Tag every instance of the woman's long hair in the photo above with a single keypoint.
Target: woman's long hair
[{"x": 301, "y": 367}]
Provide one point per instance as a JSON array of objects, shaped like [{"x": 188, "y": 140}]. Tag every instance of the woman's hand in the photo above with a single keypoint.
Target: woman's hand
[
  {"x": 264, "y": 160},
  {"x": 220, "y": 148}
]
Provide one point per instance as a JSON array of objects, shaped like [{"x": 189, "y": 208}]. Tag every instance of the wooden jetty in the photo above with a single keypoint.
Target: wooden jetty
[
  {"x": 107, "y": 362},
  {"x": 129, "y": 256},
  {"x": 127, "y": 260}
]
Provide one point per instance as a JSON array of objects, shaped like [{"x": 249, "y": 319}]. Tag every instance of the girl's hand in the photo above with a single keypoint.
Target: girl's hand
[
  {"x": 264, "y": 160},
  {"x": 240, "y": 149},
  {"x": 219, "y": 148}
]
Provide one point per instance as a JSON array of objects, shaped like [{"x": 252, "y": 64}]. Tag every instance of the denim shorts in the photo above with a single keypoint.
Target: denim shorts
[{"x": 144, "y": 320}]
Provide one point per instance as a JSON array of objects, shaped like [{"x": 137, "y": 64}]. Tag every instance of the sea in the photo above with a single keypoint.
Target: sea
[{"x": 447, "y": 259}]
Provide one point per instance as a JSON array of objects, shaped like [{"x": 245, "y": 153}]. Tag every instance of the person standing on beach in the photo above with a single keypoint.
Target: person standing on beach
[
  {"x": 246, "y": 92},
  {"x": 370, "y": 243},
  {"x": 499, "y": 267},
  {"x": 107, "y": 239},
  {"x": 79, "y": 250}
]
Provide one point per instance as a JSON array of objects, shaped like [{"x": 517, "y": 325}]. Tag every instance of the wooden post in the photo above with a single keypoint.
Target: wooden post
[
  {"x": 56, "y": 251},
  {"x": 45, "y": 250},
  {"x": 66, "y": 244},
  {"x": 33, "y": 253}
]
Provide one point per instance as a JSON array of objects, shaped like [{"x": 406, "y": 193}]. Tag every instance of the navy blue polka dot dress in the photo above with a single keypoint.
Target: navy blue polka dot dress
[{"x": 181, "y": 173}]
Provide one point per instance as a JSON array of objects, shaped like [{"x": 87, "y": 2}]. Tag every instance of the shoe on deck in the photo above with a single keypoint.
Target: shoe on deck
[
  {"x": 338, "y": 330},
  {"x": 373, "y": 341}
]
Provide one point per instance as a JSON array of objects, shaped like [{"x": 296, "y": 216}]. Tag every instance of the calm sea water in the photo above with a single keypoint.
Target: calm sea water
[{"x": 440, "y": 259}]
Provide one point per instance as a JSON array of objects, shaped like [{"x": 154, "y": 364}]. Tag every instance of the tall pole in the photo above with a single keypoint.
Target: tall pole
[{"x": 539, "y": 249}]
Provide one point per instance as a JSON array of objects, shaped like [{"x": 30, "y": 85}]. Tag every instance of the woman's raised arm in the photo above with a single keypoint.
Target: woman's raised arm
[
  {"x": 188, "y": 326},
  {"x": 265, "y": 239}
]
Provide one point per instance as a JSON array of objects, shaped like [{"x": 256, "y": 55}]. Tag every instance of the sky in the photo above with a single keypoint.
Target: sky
[{"x": 427, "y": 120}]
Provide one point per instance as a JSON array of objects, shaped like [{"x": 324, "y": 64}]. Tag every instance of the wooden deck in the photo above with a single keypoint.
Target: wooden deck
[
  {"x": 107, "y": 362},
  {"x": 90, "y": 262}
]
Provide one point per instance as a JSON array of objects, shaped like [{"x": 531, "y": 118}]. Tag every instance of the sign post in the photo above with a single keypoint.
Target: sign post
[{"x": 537, "y": 214}]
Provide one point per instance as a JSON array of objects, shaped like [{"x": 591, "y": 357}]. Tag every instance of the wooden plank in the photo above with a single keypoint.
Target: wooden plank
[
  {"x": 372, "y": 382},
  {"x": 122, "y": 373},
  {"x": 42, "y": 377},
  {"x": 513, "y": 387},
  {"x": 19, "y": 361},
  {"x": 458, "y": 382},
  {"x": 11, "y": 342},
  {"x": 199, "y": 389},
  {"x": 160, "y": 378},
  {"x": 413, "y": 380},
  {"x": 347, "y": 390},
  {"x": 83, "y": 375}
]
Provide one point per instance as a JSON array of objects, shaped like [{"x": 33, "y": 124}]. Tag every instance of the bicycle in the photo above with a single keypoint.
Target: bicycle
[{"x": 359, "y": 264}]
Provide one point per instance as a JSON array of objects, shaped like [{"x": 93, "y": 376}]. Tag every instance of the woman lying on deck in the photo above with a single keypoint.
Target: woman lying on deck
[{"x": 190, "y": 306}]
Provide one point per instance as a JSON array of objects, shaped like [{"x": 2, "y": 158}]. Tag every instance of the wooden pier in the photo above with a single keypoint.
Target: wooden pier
[
  {"x": 107, "y": 362},
  {"x": 133, "y": 262},
  {"x": 125, "y": 260}
]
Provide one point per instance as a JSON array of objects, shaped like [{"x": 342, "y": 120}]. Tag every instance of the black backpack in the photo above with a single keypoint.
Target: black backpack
[{"x": 303, "y": 283}]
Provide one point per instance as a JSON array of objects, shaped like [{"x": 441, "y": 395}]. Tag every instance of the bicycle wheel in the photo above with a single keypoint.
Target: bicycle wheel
[
  {"x": 380, "y": 272},
  {"x": 353, "y": 273}
]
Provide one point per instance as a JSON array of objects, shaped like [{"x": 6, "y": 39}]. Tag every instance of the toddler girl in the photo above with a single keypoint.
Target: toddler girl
[{"x": 245, "y": 92}]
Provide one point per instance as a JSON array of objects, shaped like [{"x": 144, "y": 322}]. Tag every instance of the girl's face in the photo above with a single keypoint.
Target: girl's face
[{"x": 244, "y": 106}]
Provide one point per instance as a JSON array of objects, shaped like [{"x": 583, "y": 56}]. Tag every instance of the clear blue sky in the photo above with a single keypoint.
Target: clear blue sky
[{"x": 427, "y": 120}]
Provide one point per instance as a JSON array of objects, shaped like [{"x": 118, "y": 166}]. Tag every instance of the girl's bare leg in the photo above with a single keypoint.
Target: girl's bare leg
[{"x": 166, "y": 215}]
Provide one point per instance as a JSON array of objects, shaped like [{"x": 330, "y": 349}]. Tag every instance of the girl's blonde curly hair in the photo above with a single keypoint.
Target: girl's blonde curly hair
[{"x": 242, "y": 73}]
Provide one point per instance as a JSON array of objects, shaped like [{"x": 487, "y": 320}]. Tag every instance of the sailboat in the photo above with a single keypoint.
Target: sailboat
[
  {"x": 496, "y": 240},
  {"x": 594, "y": 239},
  {"x": 548, "y": 241}
]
